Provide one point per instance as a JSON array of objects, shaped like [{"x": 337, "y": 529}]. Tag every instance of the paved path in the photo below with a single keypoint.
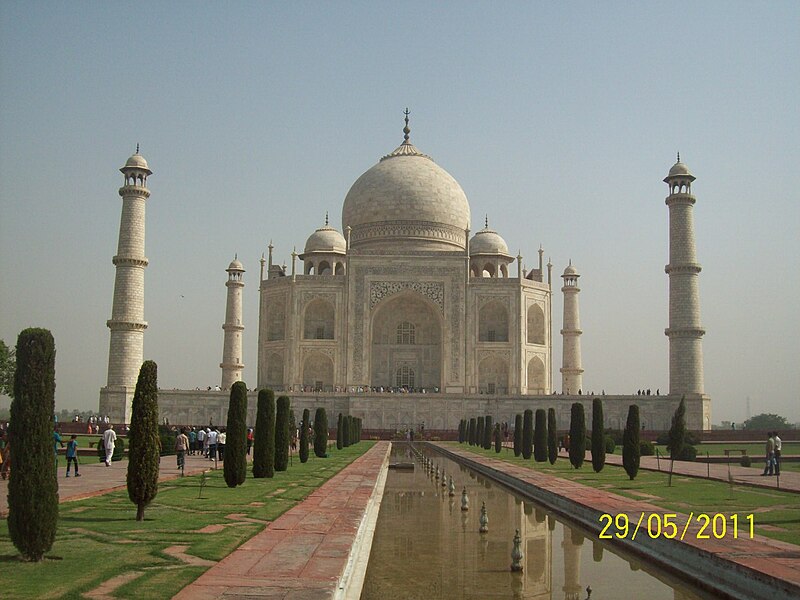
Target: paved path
[
  {"x": 303, "y": 553},
  {"x": 762, "y": 555},
  {"x": 97, "y": 479}
]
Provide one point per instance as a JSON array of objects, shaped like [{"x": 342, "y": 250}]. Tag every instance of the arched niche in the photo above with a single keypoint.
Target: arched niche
[
  {"x": 318, "y": 372},
  {"x": 493, "y": 375},
  {"x": 493, "y": 322},
  {"x": 274, "y": 371},
  {"x": 318, "y": 320},
  {"x": 536, "y": 325},
  {"x": 536, "y": 376}
]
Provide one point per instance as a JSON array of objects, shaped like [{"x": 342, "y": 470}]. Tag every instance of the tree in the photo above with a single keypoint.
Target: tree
[
  {"x": 7, "y": 368},
  {"x": 282, "y": 434},
  {"x": 498, "y": 439},
  {"x": 598, "y": 436},
  {"x": 630, "y": 442},
  {"x": 339, "y": 440},
  {"x": 234, "y": 468},
  {"x": 264, "y": 445},
  {"x": 321, "y": 433},
  {"x": 552, "y": 436},
  {"x": 33, "y": 488},
  {"x": 346, "y": 438},
  {"x": 540, "y": 436},
  {"x": 527, "y": 434},
  {"x": 677, "y": 432},
  {"x": 488, "y": 431},
  {"x": 143, "y": 440},
  {"x": 577, "y": 435},
  {"x": 481, "y": 425},
  {"x": 304, "y": 436},
  {"x": 473, "y": 424},
  {"x": 518, "y": 435},
  {"x": 766, "y": 422}
]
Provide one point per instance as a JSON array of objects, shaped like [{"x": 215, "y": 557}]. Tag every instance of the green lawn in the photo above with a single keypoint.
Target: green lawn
[
  {"x": 777, "y": 514},
  {"x": 99, "y": 538},
  {"x": 754, "y": 450}
]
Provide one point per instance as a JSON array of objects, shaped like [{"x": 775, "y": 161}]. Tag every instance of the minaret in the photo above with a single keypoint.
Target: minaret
[
  {"x": 231, "y": 364},
  {"x": 685, "y": 332},
  {"x": 571, "y": 370},
  {"x": 127, "y": 322}
]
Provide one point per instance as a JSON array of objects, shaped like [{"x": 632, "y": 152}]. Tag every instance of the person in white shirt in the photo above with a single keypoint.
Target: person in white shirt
[
  {"x": 201, "y": 439},
  {"x": 109, "y": 437},
  {"x": 777, "y": 453},
  {"x": 212, "y": 444}
]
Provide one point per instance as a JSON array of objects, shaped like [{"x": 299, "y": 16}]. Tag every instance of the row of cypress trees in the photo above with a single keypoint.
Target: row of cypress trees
[{"x": 348, "y": 431}]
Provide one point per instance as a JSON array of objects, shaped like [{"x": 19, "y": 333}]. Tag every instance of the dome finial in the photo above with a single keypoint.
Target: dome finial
[
  {"x": 236, "y": 256},
  {"x": 679, "y": 157},
  {"x": 326, "y": 218},
  {"x": 406, "y": 129},
  {"x": 137, "y": 147},
  {"x": 486, "y": 222}
]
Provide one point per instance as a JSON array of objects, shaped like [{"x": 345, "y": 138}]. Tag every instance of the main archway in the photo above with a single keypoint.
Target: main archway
[{"x": 406, "y": 344}]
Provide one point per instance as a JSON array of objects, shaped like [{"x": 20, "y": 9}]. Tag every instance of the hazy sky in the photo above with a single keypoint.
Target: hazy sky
[{"x": 559, "y": 120}]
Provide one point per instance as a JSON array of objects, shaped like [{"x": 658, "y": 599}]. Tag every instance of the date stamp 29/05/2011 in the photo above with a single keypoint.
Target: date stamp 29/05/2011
[{"x": 655, "y": 525}]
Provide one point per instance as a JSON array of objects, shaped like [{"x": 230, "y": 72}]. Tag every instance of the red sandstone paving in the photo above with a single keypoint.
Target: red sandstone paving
[
  {"x": 771, "y": 557},
  {"x": 303, "y": 553}
]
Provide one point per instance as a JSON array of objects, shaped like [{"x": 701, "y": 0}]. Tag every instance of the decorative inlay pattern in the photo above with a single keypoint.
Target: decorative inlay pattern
[{"x": 432, "y": 290}]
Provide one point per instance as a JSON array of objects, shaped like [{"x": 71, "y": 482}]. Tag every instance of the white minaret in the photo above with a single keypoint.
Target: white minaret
[
  {"x": 127, "y": 322},
  {"x": 685, "y": 332},
  {"x": 231, "y": 364},
  {"x": 571, "y": 370}
]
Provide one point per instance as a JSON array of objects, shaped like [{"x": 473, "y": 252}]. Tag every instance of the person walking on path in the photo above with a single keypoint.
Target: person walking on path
[
  {"x": 212, "y": 444},
  {"x": 201, "y": 441},
  {"x": 778, "y": 444},
  {"x": 250, "y": 438},
  {"x": 770, "y": 452},
  {"x": 72, "y": 454},
  {"x": 56, "y": 442},
  {"x": 109, "y": 437},
  {"x": 221, "y": 438},
  {"x": 192, "y": 435},
  {"x": 181, "y": 446}
]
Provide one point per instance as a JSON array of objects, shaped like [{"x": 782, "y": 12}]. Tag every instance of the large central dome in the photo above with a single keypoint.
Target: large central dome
[{"x": 406, "y": 202}]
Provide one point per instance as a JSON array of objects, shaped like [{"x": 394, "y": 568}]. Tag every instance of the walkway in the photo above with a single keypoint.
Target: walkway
[
  {"x": 97, "y": 479},
  {"x": 303, "y": 553},
  {"x": 754, "y": 559}
]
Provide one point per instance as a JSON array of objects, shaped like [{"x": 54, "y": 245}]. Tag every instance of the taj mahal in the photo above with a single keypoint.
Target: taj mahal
[{"x": 405, "y": 318}]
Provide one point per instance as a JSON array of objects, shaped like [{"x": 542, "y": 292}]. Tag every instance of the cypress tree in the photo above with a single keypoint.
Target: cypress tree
[
  {"x": 358, "y": 431},
  {"x": 473, "y": 424},
  {"x": 321, "y": 433},
  {"x": 304, "y": 436},
  {"x": 479, "y": 431},
  {"x": 282, "y": 434},
  {"x": 630, "y": 442},
  {"x": 488, "y": 432},
  {"x": 33, "y": 488},
  {"x": 518, "y": 435},
  {"x": 577, "y": 435},
  {"x": 143, "y": 440},
  {"x": 339, "y": 441},
  {"x": 264, "y": 444},
  {"x": 677, "y": 432},
  {"x": 498, "y": 440},
  {"x": 552, "y": 436},
  {"x": 461, "y": 431},
  {"x": 598, "y": 436},
  {"x": 346, "y": 431},
  {"x": 527, "y": 434},
  {"x": 540, "y": 436},
  {"x": 234, "y": 468}
]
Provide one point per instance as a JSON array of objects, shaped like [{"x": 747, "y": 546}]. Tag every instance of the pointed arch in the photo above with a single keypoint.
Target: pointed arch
[
  {"x": 318, "y": 372},
  {"x": 536, "y": 329},
  {"x": 493, "y": 322},
  {"x": 318, "y": 320},
  {"x": 493, "y": 375},
  {"x": 274, "y": 371},
  {"x": 536, "y": 376}
]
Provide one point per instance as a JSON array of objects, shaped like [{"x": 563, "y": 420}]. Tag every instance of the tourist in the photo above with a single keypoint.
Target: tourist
[
  {"x": 181, "y": 446},
  {"x": 221, "y": 436},
  {"x": 5, "y": 455},
  {"x": 109, "y": 437},
  {"x": 56, "y": 442},
  {"x": 250, "y": 438},
  {"x": 212, "y": 444},
  {"x": 72, "y": 454},
  {"x": 778, "y": 444},
  {"x": 192, "y": 440},
  {"x": 769, "y": 467},
  {"x": 201, "y": 439}
]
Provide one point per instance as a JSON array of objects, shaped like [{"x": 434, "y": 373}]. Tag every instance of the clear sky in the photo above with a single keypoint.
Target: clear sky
[{"x": 559, "y": 120}]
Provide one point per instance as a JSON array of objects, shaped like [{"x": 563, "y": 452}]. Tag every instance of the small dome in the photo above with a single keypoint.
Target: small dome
[
  {"x": 137, "y": 161},
  {"x": 235, "y": 266},
  {"x": 679, "y": 170},
  {"x": 571, "y": 271},
  {"x": 487, "y": 241},
  {"x": 326, "y": 239}
]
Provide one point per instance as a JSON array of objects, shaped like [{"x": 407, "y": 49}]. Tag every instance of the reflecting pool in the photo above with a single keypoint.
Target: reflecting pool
[{"x": 426, "y": 547}]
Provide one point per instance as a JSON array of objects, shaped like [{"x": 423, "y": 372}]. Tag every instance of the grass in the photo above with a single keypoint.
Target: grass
[
  {"x": 754, "y": 450},
  {"x": 99, "y": 538},
  {"x": 777, "y": 513}
]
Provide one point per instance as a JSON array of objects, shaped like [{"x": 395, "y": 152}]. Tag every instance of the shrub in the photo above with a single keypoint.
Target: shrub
[
  {"x": 577, "y": 435},
  {"x": 143, "y": 455},
  {"x": 745, "y": 461},
  {"x": 488, "y": 432},
  {"x": 479, "y": 431},
  {"x": 119, "y": 450},
  {"x": 321, "y": 433},
  {"x": 527, "y": 434},
  {"x": 346, "y": 437},
  {"x": 677, "y": 432},
  {"x": 518, "y": 435},
  {"x": 282, "y": 434},
  {"x": 646, "y": 448},
  {"x": 498, "y": 439},
  {"x": 339, "y": 440},
  {"x": 540, "y": 436},
  {"x": 235, "y": 466},
  {"x": 598, "y": 438},
  {"x": 689, "y": 453},
  {"x": 461, "y": 431},
  {"x": 264, "y": 443},
  {"x": 473, "y": 424},
  {"x": 552, "y": 436},
  {"x": 611, "y": 445},
  {"x": 166, "y": 441},
  {"x": 33, "y": 488},
  {"x": 303, "y": 451},
  {"x": 630, "y": 442}
]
